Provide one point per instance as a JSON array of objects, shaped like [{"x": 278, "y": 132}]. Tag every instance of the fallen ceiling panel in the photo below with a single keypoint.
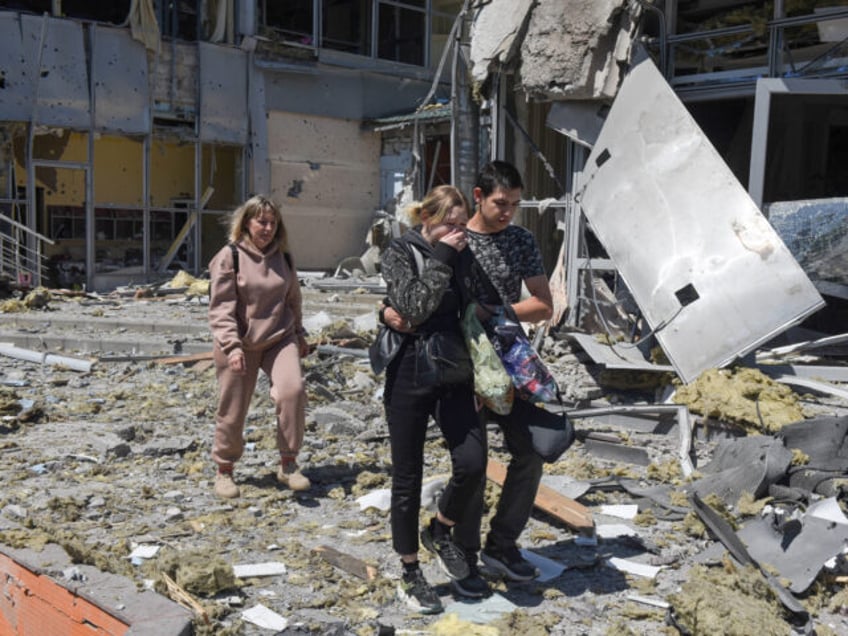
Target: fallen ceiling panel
[{"x": 711, "y": 276}]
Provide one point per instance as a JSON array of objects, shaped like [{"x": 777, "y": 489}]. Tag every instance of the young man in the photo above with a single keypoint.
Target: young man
[{"x": 507, "y": 255}]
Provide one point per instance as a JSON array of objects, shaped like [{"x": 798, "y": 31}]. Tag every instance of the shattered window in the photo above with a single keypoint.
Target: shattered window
[
  {"x": 402, "y": 30},
  {"x": 346, "y": 26},
  {"x": 111, "y": 11},
  {"x": 294, "y": 20},
  {"x": 177, "y": 18}
]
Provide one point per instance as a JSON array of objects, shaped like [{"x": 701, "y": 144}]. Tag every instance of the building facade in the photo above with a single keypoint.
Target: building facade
[{"x": 128, "y": 130}]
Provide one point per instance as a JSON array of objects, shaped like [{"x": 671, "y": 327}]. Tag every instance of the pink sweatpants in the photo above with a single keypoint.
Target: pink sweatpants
[{"x": 281, "y": 363}]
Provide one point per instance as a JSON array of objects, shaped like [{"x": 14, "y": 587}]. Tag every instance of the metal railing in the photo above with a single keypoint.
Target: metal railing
[{"x": 21, "y": 253}]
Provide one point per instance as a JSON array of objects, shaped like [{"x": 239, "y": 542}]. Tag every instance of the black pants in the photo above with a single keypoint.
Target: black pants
[
  {"x": 408, "y": 409},
  {"x": 523, "y": 475}
]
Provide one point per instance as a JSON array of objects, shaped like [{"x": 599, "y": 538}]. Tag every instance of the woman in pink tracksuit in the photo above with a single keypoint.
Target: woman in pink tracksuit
[{"x": 256, "y": 321}]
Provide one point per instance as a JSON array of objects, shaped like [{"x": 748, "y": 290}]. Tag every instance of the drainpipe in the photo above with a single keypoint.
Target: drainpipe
[
  {"x": 464, "y": 121},
  {"x": 663, "y": 35}
]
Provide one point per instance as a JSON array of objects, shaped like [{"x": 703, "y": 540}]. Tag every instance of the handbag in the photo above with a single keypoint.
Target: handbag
[
  {"x": 385, "y": 347},
  {"x": 441, "y": 359},
  {"x": 492, "y": 384},
  {"x": 549, "y": 427}
]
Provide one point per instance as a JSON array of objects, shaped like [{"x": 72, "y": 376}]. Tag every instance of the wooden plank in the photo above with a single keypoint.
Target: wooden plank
[
  {"x": 575, "y": 515},
  {"x": 194, "y": 357},
  {"x": 201, "y": 366},
  {"x": 345, "y": 562}
]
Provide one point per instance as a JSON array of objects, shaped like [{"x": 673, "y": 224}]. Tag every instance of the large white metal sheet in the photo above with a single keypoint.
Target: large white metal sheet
[{"x": 709, "y": 273}]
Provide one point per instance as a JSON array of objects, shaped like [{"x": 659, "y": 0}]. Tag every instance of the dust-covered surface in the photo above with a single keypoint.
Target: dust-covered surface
[{"x": 107, "y": 461}]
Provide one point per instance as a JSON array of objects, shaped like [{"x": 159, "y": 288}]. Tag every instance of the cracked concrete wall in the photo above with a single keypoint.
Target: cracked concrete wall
[
  {"x": 564, "y": 49},
  {"x": 328, "y": 195}
]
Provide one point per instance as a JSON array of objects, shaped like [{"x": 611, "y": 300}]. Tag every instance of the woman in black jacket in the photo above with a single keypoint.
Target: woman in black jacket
[{"x": 419, "y": 272}]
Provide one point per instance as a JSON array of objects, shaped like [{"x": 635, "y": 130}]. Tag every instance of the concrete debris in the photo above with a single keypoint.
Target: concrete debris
[{"x": 577, "y": 49}]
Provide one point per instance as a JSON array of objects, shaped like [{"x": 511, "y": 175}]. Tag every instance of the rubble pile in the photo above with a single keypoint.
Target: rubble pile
[{"x": 112, "y": 465}]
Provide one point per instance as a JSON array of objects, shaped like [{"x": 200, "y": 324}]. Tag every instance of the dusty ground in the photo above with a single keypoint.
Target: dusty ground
[{"x": 101, "y": 462}]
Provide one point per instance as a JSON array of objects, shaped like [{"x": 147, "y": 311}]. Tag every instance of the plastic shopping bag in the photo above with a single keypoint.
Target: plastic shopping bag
[{"x": 492, "y": 384}]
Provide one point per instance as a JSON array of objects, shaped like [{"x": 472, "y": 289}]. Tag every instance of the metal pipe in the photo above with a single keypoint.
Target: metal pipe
[
  {"x": 75, "y": 364},
  {"x": 663, "y": 35}
]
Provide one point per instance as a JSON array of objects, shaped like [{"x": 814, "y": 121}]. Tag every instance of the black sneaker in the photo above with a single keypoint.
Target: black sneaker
[
  {"x": 473, "y": 585},
  {"x": 510, "y": 563},
  {"x": 451, "y": 557},
  {"x": 417, "y": 593}
]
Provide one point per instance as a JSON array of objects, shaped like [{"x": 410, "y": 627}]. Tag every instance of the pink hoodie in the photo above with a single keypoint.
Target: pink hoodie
[{"x": 259, "y": 309}]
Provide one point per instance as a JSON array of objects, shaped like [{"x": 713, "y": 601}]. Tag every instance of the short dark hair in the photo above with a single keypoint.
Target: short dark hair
[{"x": 497, "y": 174}]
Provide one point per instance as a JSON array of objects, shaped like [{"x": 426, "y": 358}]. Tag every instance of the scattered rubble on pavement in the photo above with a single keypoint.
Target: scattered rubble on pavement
[{"x": 112, "y": 464}]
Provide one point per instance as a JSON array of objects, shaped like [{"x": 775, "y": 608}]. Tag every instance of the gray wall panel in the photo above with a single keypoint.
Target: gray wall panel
[
  {"x": 223, "y": 94},
  {"x": 119, "y": 68},
  {"x": 62, "y": 83},
  {"x": 16, "y": 95}
]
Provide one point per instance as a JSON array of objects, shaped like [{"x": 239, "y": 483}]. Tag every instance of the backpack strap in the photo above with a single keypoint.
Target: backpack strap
[
  {"x": 234, "y": 250},
  {"x": 417, "y": 255}
]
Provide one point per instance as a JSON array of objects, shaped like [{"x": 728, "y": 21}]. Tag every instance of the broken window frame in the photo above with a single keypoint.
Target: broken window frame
[
  {"x": 776, "y": 61},
  {"x": 373, "y": 40},
  {"x": 765, "y": 90}
]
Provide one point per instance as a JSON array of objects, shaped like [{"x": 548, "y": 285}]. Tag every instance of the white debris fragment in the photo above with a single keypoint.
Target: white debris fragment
[
  {"x": 632, "y": 567},
  {"x": 144, "y": 552},
  {"x": 645, "y": 600},
  {"x": 626, "y": 511},
  {"x": 263, "y": 617},
  {"x": 613, "y": 530},
  {"x": 269, "y": 568},
  {"x": 377, "y": 499}
]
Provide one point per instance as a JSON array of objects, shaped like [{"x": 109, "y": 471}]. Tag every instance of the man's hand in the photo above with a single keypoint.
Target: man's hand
[{"x": 395, "y": 321}]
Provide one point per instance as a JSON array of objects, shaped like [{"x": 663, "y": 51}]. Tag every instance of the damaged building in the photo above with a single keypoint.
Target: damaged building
[
  {"x": 684, "y": 164},
  {"x": 127, "y": 129}
]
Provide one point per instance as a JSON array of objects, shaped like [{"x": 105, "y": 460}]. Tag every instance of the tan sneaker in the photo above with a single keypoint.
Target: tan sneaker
[
  {"x": 225, "y": 486},
  {"x": 291, "y": 476}
]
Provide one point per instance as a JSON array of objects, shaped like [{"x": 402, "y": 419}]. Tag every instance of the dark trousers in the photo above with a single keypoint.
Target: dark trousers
[
  {"x": 408, "y": 409},
  {"x": 524, "y": 472}
]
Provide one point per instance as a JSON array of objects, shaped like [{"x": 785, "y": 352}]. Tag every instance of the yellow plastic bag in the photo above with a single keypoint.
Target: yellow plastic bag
[{"x": 492, "y": 383}]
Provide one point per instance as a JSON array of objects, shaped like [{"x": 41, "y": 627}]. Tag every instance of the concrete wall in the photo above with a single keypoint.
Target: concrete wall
[{"x": 325, "y": 172}]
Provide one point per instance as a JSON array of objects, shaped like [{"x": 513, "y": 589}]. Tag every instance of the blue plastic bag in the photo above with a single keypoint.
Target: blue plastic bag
[{"x": 531, "y": 378}]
